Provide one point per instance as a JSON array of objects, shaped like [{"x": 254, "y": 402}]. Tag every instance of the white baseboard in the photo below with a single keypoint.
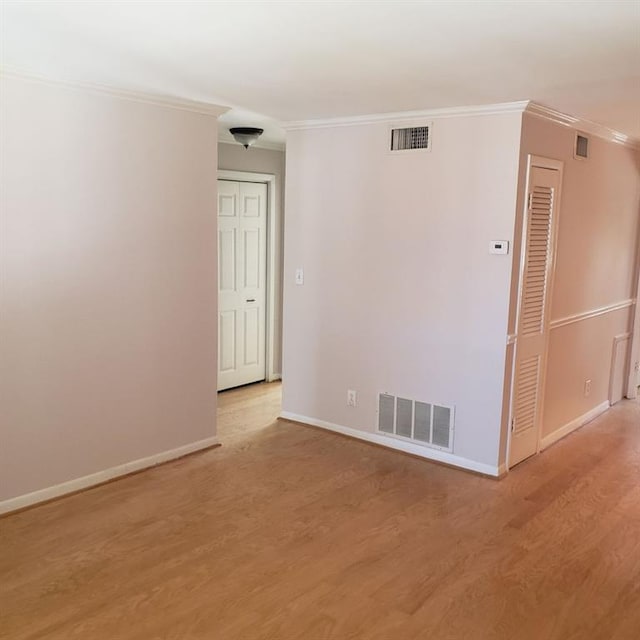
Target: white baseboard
[
  {"x": 580, "y": 421},
  {"x": 399, "y": 445},
  {"x": 274, "y": 376},
  {"x": 71, "y": 486}
]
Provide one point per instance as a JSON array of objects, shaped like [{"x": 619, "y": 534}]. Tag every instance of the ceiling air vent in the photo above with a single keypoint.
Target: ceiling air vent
[
  {"x": 421, "y": 422},
  {"x": 582, "y": 147},
  {"x": 409, "y": 139}
]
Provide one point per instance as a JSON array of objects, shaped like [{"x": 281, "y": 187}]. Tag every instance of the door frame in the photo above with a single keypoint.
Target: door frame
[
  {"x": 273, "y": 258},
  {"x": 557, "y": 165},
  {"x": 634, "y": 347},
  {"x": 623, "y": 337}
]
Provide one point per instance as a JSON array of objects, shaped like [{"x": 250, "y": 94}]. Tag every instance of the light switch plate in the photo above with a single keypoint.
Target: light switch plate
[
  {"x": 299, "y": 275},
  {"x": 499, "y": 247}
]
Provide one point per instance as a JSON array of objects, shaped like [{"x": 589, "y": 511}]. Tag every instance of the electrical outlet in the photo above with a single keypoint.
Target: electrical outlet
[
  {"x": 352, "y": 398},
  {"x": 587, "y": 388}
]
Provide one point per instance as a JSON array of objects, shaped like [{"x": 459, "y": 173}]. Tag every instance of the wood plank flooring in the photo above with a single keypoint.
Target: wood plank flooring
[{"x": 291, "y": 533}]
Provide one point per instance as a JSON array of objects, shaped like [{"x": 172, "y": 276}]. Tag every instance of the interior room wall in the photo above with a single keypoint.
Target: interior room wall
[
  {"x": 234, "y": 157},
  {"x": 400, "y": 293},
  {"x": 108, "y": 321},
  {"x": 595, "y": 266}
]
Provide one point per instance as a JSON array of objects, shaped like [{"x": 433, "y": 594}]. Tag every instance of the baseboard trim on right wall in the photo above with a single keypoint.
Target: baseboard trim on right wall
[
  {"x": 381, "y": 439},
  {"x": 580, "y": 421}
]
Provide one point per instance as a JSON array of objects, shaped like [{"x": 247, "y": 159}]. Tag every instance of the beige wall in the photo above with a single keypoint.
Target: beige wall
[
  {"x": 108, "y": 324},
  {"x": 400, "y": 293},
  {"x": 234, "y": 157},
  {"x": 595, "y": 264}
]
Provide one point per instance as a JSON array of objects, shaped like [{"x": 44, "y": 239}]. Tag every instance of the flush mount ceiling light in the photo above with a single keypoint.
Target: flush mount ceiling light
[{"x": 246, "y": 136}]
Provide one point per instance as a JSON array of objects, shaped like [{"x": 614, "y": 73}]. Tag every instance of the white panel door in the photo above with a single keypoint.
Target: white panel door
[
  {"x": 242, "y": 261},
  {"x": 533, "y": 312}
]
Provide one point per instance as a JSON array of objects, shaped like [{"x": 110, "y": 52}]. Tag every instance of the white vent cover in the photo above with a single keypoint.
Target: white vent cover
[
  {"x": 421, "y": 422},
  {"x": 582, "y": 147},
  {"x": 409, "y": 138}
]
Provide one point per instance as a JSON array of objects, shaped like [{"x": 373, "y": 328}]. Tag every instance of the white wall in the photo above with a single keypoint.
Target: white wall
[
  {"x": 400, "y": 293},
  {"x": 108, "y": 324},
  {"x": 234, "y": 157},
  {"x": 595, "y": 265}
]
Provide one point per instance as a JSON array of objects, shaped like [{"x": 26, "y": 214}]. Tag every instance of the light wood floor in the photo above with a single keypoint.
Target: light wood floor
[{"x": 288, "y": 532}]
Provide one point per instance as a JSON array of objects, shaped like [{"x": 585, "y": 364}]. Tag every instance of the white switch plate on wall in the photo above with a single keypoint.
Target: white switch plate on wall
[
  {"x": 299, "y": 275},
  {"x": 499, "y": 247}
]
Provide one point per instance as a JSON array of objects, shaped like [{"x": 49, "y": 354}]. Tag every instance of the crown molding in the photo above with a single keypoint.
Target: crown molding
[
  {"x": 524, "y": 106},
  {"x": 168, "y": 102},
  {"x": 406, "y": 116},
  {"x": 580, "y": 124},
  {"x": 224, "y": 137}
]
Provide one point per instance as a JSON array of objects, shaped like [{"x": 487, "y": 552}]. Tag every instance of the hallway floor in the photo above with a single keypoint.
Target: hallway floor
[{"x": 245, "y": 411}]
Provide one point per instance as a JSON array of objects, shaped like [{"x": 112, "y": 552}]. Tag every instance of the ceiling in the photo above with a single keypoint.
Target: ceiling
[{"x": 282, "y": 61}]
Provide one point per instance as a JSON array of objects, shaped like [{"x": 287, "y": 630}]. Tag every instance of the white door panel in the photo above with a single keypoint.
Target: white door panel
[
  {"x": 252, "y": 342},
  {"x": 252, "y": 254},
  {"x": 533, "y": 312},
  {"x": 227, "y": 204},
  {"x": 251, "y": 205},
  {"x": 242, "y": 224},
  {"x": 227, "y": 328},
  {"x": 227, "y": 259}
]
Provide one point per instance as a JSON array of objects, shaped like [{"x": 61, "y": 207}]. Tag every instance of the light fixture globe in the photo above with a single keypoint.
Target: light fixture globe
[{"x": 246, "y": 136}]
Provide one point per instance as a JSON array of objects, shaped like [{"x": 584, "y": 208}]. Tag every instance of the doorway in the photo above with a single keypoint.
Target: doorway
[
  {"x": 245, "y": 413},
  {"x": 247, "y": 278},
  {"x": 544, "y": 178}
]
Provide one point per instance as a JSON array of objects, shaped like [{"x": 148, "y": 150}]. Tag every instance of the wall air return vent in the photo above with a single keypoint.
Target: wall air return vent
[
  {"x": 405, "y": 139},
  {"x": 581, "y": 151},
  {"x": 420, "y": 422}
]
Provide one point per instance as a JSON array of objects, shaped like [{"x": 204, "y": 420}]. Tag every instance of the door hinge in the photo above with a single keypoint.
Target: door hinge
[
  {"x": 513, "y": 424},
  {"x": 530, "y": 200}
]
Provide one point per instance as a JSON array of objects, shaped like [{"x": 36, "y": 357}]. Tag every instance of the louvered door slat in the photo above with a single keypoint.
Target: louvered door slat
[
  {"x": 535, "y": 280},
  {"x": 526, "y": 398}
]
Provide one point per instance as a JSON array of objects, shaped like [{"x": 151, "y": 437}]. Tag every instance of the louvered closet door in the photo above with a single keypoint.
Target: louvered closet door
[
  {"x": 242, "y": 261},
  {"x": 532, "y": 333}
]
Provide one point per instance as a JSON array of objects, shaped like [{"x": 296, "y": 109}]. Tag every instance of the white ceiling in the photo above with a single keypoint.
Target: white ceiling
[{"x": 280, "y": 61}]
